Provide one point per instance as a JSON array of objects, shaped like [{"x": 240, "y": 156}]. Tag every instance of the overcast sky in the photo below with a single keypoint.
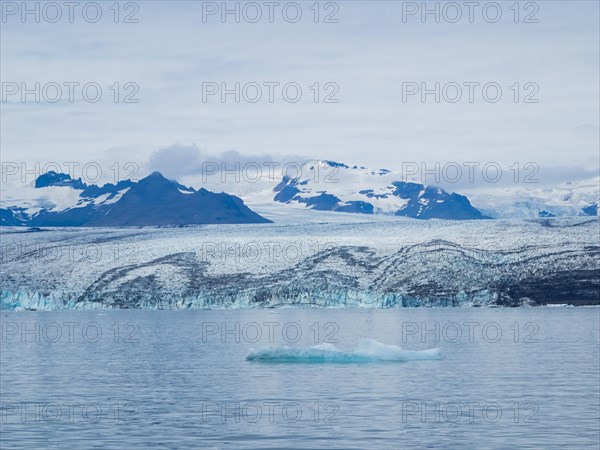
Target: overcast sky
[{"x": 367, "y": 56}]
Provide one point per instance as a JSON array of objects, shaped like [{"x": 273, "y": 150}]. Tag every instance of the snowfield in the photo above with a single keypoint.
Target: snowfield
[{"x": 380, "y": 264}]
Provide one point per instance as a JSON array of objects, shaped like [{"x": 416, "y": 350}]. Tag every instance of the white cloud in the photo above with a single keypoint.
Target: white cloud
[{"x": 368, "y": 54}]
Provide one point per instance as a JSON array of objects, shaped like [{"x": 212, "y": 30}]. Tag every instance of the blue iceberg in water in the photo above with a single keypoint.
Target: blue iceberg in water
[{"x": 367, "y": 350}]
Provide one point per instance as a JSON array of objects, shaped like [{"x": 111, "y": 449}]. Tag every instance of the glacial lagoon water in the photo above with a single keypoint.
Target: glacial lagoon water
[{"x": 525, "y": 378}]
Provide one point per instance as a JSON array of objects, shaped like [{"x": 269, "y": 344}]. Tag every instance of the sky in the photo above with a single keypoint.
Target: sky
[{"x": 363, "y": 59}]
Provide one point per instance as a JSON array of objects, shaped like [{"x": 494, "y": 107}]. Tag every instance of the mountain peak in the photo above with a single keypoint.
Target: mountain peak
[
  {"x": 156, "y": 175},
  {"x": 326, "y": 162},
  {"x": 52, "y": 178},
  {"x": 156, "y": 178}
]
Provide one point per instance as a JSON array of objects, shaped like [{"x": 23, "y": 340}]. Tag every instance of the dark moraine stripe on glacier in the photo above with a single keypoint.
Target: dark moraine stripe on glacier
[{"x": 574, "y": 287}]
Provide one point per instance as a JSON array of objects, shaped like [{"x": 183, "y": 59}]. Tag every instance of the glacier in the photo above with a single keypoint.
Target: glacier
[{"x": 380, "y": 264}]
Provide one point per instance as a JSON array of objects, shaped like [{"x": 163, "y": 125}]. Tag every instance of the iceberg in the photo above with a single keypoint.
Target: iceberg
[{"x": 367, "y": 350}]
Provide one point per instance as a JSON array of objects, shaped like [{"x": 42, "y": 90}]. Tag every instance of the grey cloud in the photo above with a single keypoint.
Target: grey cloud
[{"x": 182, "y": 160}]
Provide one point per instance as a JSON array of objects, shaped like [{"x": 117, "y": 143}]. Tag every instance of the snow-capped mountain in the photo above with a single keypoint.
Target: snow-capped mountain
[
  {"x": 60, "y": 200},
  {"x": 332, "y": 186},
  {"x": 578, "y": 198},
  {"x": 318, "y": 191}
]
